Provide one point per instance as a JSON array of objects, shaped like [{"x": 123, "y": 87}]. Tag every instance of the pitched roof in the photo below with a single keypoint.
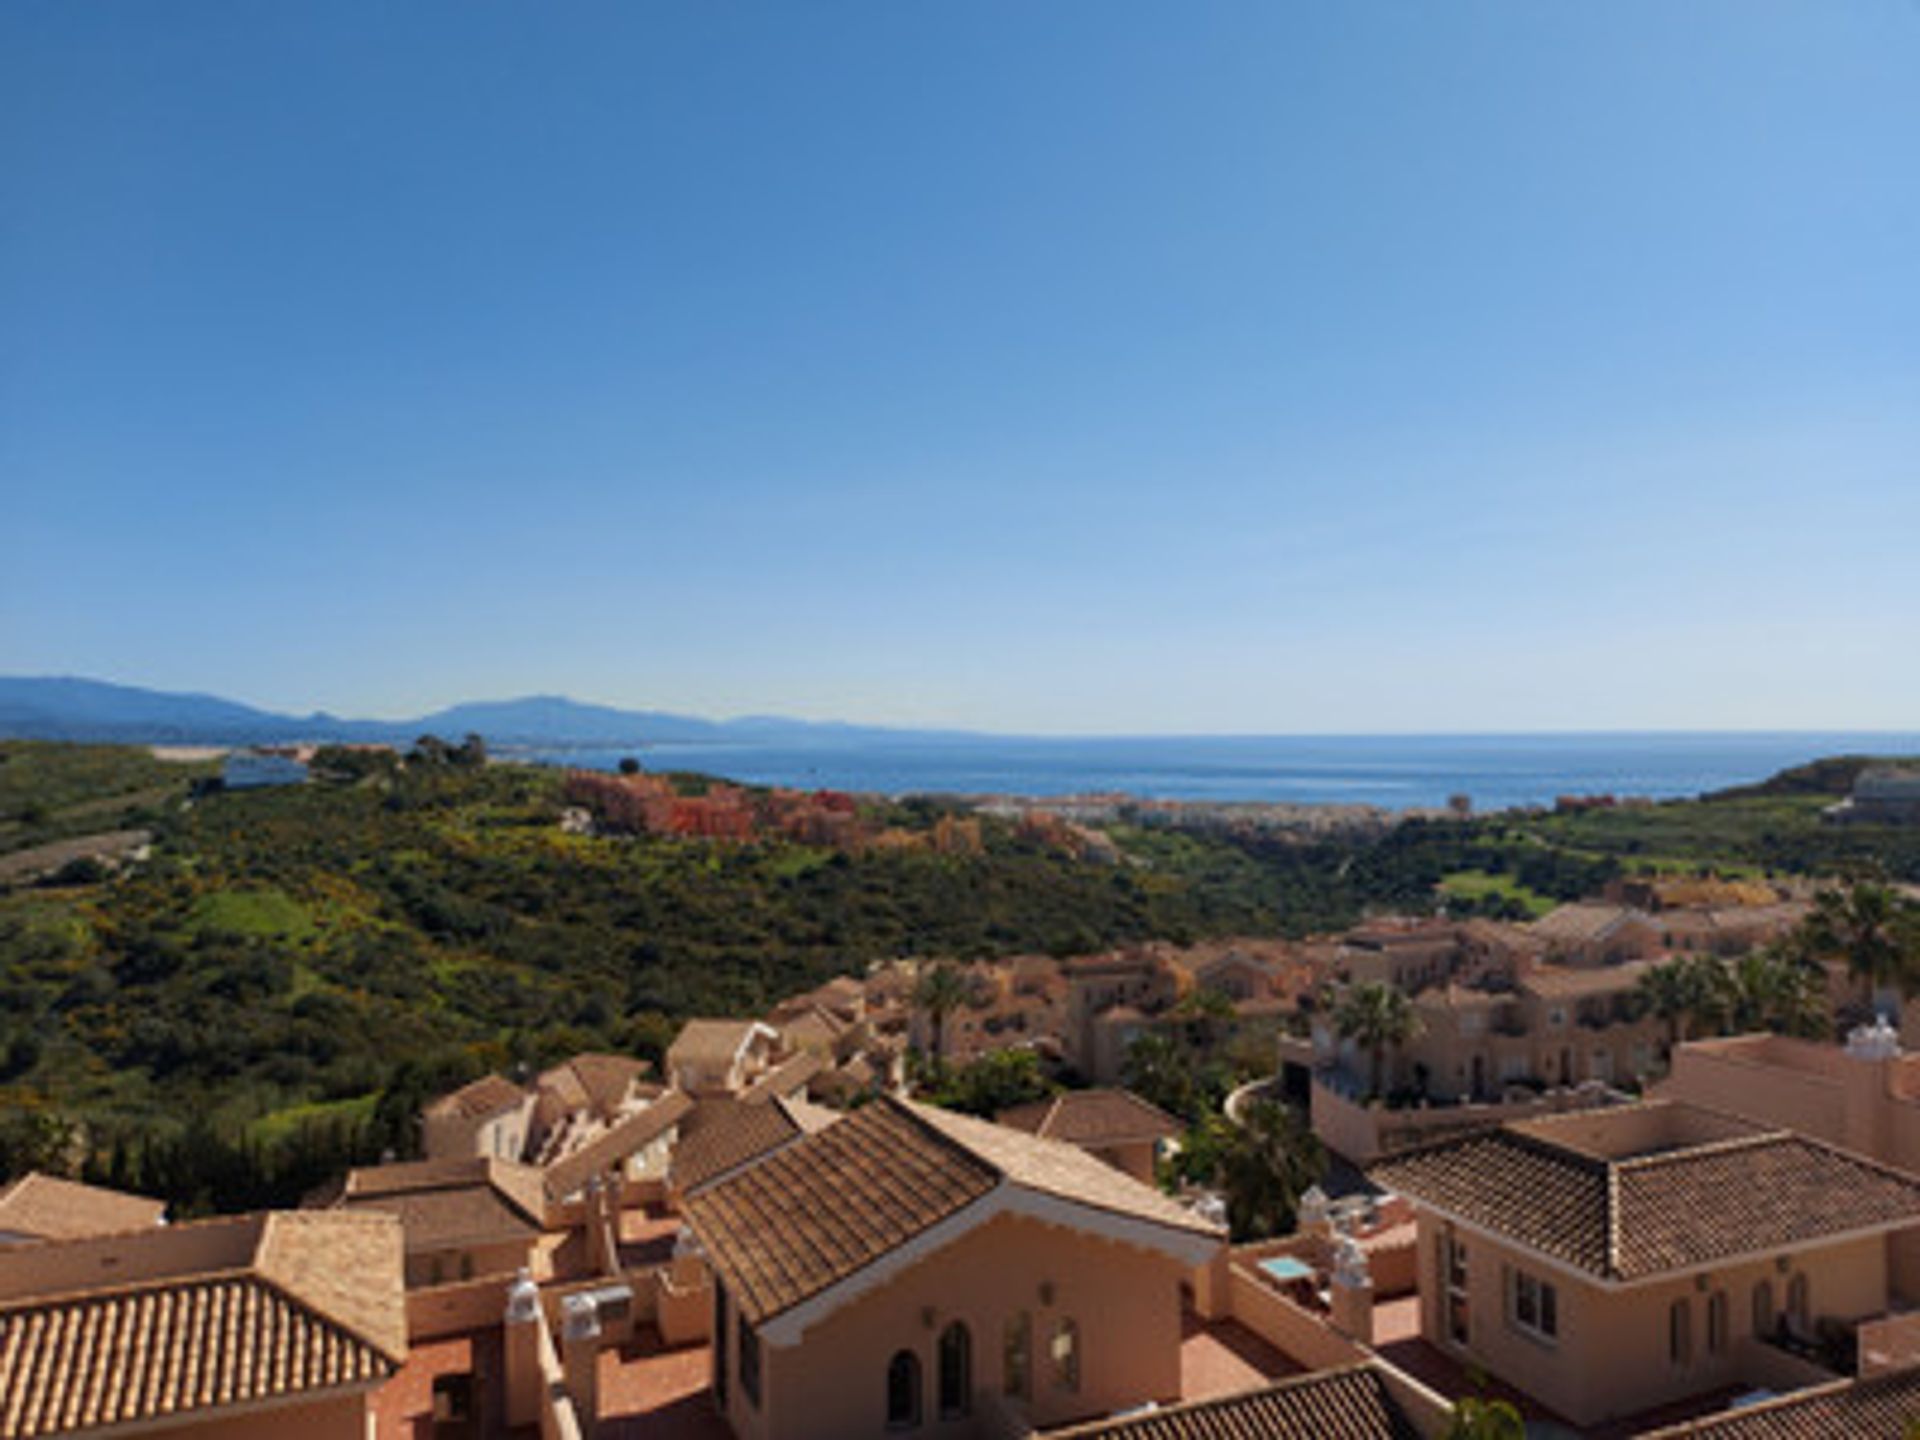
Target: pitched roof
[
  {"x": 1564, "y": 982},
  {"x": 1346, "y": 1404},
  {"x": 1584, "y": 920},
  {"x": 1651, "y": 1214},
  {"x": 1093, "y": 1118},
  {"x": 596, "y": 1080},
  {"x": 614, "y": 1144},
  {"x": 712, "y": 1042},
  {"x": 790, "y": 1075},
  {"x": 1882, "y": 1407},
  {"x": 720, "y": 1135},
  {"x": 45, "y": 1207},
  {"x": 477, "y": 1099},
  {"x": 442, "y": 1203},
  {"x": 824, "y": 1208},
  {"x": 191, "y": 1318}
]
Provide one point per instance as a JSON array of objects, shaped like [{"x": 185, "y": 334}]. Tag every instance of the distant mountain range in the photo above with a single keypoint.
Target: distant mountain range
[{"x": 63, "y": 708}]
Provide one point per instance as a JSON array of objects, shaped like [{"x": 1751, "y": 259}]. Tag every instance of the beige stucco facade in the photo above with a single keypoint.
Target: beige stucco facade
[
  {"x": 1613, "y": 1352},
  {"x": 1122, "y": 1302},
  {"x": 502, "y": 1135}
]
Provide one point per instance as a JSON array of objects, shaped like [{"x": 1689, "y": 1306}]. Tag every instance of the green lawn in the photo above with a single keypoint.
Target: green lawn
[{"x": 1475, "y": 884}]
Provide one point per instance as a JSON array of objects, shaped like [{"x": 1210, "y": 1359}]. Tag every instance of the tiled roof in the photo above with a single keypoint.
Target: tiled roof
[
  {"x": 818, "y": 1211},
  {"x": 1093, "y": 1118},
  {"x": 720, "y": 1135},
  {"x": 1349, "y": 1404},
  {"x": 45, "y": 1207},
  {"x": 442, "y": 1203},
  {"x": 1883, "y": 1407},
  {"x": 1649, "y": 1215},
  {"x": 1564, "y": 982},
  {"x": 613, "y": 1145},
  {"x": 1584, "y": 920},
  {"x": 710, "y": 1042},
  {"x": 195, "y": 1318},
  {"x": 599, "y": 1081},
  {"x": 477, "y": 1099},
  {"x": 785, "y": 1078}
]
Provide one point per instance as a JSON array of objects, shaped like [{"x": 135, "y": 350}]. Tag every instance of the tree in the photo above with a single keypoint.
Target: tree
[
  {"x": 629, "y": 765},
  {"x": 1678, "y": 991},
  {"x": 998, "y": 1080},
  {"x": 1873, "y": 929},
  {"x": 1476, "y": 1419},
  {"x": 1378, "y": 1017},
  {"x": 1267, "y": 1162},
  {"x": 940, "y": 990},
  {"x": 1772, "y": 990},
  {"x": 1160, "y": 1072}
]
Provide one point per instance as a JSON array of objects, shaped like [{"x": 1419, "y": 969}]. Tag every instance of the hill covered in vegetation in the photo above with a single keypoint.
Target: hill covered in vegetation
[{"x": 292, "y": 970}]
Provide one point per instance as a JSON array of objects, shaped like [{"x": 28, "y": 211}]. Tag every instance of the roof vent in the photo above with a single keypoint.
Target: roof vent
[{"x": 1878, "y": 1041}]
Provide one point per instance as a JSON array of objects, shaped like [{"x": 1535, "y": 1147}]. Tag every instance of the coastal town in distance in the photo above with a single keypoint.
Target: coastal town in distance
[{"x": 960, "y": 720}]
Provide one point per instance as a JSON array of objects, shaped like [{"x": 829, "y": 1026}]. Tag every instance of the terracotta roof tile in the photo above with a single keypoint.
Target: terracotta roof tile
[
  {"x": 1093, "y": 1118},
  {"x": 720, "y": 1135},
  {"x": 712, "y": 1042},
  {"x": 1349, "y": 1404},
  {"x": 1883, "y": 1407},
  {"x": 816, "y": 1212},
  {"x": 231, "y": 1312},
  {"x": 45, "y": 1207},
  {"x": 443, "y": 1203},
  {"x": 476, "y": 1100},
  {"x": 1629, "y": 1219}
]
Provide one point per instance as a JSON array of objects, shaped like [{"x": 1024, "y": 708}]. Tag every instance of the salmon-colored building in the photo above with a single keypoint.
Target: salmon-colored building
[
  {"x": 911, "y": 1271},
  {"x": 1612, "y": 1261},
  {"x": 277, "y": 1324}
]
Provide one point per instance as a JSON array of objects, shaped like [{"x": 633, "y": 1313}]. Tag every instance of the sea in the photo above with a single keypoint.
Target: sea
[{"x": 1393, "y": 772}]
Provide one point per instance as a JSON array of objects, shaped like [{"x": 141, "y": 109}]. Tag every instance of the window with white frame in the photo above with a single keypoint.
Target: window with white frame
[{"x": 1534, "y": 1306}]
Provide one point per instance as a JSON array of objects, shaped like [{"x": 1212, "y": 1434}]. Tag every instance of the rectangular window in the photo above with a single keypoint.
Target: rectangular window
[
  {"x": 1458, "y": 1307},
  {"x": 1535, "y": 1306},
  {"x": 749, "y": 1362},
  {"x": 1680, "y": 1332},
  {"x": 1717, "y": 1323},
  {"x": 1016, "y": 1360}
]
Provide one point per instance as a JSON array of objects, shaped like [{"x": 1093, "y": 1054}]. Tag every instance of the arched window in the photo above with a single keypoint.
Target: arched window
[
  {"x": 1064, "y": 1352},
  {"x": 956, "y": 1371},
  {"x": 903, "y": 1390},
  {"x": 1016, "y": 1357},
  {"x": 1763, "y": 1309},
  {"x": 1799, "y": 1306}
]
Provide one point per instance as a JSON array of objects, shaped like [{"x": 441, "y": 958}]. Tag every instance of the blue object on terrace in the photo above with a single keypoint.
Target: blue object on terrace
[{"x": 1284, "y": 1268}]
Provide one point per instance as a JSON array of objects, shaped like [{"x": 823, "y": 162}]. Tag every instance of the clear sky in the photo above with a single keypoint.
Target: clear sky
[{"x": 1385, "y": 365}]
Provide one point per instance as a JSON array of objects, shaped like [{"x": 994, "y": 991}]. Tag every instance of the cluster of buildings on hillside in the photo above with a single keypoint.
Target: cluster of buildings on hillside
[
  {"x": 602, "y": 1251},
  {"x": 767, "y": 1237}
]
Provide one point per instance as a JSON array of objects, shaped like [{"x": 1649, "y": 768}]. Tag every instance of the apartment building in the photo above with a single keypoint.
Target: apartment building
[
  {"x": 1612, "y": 1261},
  {"x": 273, "y": 1324},
  {"x": 908, "y": 1269}
]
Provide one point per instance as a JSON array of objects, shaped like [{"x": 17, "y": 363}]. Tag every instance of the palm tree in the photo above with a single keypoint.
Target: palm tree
[
  {"x": 1771, "y": 990},
  {"x": 1267, "y": 1162},
  {"x": 1678, "y": 991},
  {"x": 1871, "y": 927},
  {"x": 940, "y": 990},
  {"x": 1378, "y": 1017}
]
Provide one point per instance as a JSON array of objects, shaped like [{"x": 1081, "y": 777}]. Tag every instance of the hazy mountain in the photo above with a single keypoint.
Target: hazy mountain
[{"x": 48, "y": 708}]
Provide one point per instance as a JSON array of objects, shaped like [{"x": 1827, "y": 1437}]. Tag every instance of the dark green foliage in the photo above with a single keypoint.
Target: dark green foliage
[{"x": 995, "y": 1082}]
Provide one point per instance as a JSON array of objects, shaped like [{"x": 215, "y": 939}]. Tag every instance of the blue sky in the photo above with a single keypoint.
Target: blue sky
[{"x": 1112, "y": 367}]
